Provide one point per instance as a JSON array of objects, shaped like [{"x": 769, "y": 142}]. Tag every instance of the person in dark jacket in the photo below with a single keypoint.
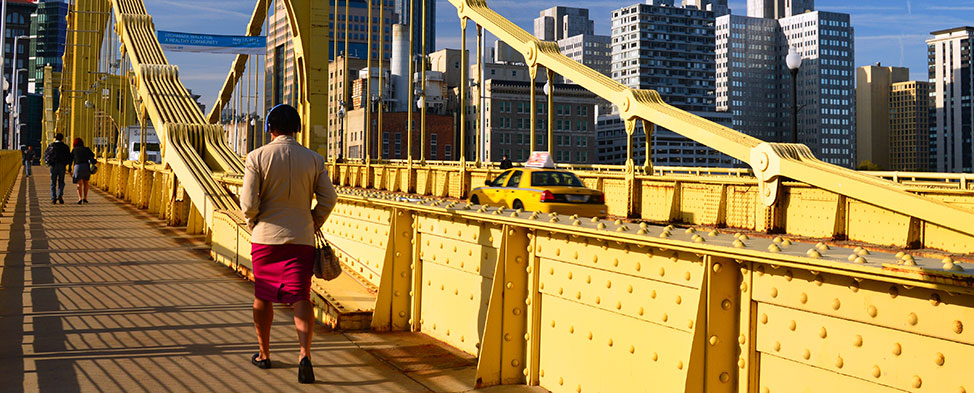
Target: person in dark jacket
[
  {"x": 82, "y": 158},
  {"x": 57, "y": 157},
  {"x": 506, "y": 163},
  {"x": 27, "y": 154}
]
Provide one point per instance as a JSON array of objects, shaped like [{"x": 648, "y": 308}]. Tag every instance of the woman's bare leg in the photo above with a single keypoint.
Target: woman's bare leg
[
  {"x": 263, "y": 318},
  {"x": 304, "y": 322}
]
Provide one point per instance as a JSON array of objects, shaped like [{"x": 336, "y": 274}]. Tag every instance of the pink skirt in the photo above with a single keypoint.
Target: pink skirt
[{"x": 282, "y": 272}]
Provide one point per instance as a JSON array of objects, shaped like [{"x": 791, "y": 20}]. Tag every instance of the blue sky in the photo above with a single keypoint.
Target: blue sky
[{"x": 891, "y": 32}]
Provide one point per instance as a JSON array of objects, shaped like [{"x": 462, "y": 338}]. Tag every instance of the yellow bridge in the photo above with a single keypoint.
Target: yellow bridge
[{"x": 794, "y": 275}]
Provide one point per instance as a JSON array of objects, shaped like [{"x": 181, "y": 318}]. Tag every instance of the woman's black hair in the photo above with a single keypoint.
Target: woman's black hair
[{"x": 283, "y": 119}]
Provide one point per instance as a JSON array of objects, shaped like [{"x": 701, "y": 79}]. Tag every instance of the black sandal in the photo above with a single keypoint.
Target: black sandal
[{"x": 263, "y": 364}]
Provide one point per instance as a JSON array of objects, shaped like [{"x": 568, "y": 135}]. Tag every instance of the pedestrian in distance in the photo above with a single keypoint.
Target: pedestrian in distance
[
  {"x": 27, "y": 154},
  {"x": 57, "y": 156},
  {"x": 506, "y": 162},
  {"x": 280, "y": 181},
  {"x": 83, "y": 159}
]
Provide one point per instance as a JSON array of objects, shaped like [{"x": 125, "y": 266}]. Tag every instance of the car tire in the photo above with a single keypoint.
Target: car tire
[
  {"x": 474, "y": 200},
  {"x": 517, "y": 205}
]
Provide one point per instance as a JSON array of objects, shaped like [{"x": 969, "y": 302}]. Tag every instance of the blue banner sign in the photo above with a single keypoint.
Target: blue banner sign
[{"x": 209, "y": 43}]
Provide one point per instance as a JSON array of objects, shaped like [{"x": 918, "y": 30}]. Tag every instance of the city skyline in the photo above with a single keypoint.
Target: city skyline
[{"x": 892, "y": 33}]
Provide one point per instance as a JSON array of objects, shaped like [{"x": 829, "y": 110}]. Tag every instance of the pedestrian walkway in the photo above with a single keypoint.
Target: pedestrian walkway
[{"x": 105, "y": 298}]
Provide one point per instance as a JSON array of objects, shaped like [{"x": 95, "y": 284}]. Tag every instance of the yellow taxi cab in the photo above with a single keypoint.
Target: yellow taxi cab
[{"x": 541, "y": 188}]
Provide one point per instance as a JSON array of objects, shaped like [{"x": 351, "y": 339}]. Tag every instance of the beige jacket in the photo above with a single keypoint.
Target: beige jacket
[{"x": 280, "y": 180}]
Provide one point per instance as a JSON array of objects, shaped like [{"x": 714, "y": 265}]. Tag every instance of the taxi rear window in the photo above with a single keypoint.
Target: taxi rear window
[{"x": 555, "y": 179}]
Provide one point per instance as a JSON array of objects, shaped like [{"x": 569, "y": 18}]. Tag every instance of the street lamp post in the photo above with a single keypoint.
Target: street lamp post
[{"x": 794, "y": 61}]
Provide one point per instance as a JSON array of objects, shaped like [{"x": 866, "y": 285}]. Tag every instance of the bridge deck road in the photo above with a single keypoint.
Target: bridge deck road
[{"x": 104, "y": 298}]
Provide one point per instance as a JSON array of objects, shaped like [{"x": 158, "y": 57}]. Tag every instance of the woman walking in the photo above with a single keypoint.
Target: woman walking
[
  {"x": 82, "y": 158},
  {"x": 280, "y": 181}
]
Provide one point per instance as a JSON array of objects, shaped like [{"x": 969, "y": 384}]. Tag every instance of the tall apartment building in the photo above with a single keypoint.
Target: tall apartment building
[
  {"x": 754, "y": 85},
  {"x": 950, "y": 54},
  {"x": 18, "y": 24},
  {"x": 575, "y": 34},
  {"x": 402, "y": 11},
  {"x": 671, "y": 50},
  {"x": 892, "y": 119},
  {"x": 338, "y": 91},
  {"x": 909, "y": 126},
  {"x": 507, "y": 121},
  {"x": 718, "y": 7},
  {"x": 777, "y": 9},
  {"x": 279, "y": 60},
  {"x": 48, "y": 34}
]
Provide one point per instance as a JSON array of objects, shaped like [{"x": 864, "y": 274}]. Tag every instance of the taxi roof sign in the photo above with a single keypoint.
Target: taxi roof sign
[{"x": 539, "y": 159}]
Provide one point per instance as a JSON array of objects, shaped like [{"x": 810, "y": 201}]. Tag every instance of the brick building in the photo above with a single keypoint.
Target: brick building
[{"x": 439, "y": 144}]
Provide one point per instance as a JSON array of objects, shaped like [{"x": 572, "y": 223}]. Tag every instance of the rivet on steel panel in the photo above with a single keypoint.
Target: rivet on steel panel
[
  {"x": 807, "y": 354},
  {"x": 690, "y": 230},
  {"x": 872, "y": 311},
  {"x": 958, "y": 327},
  {"x": 739, "y": 244},
  {"x": 600, "y": 226},
  {"x": 813, "y": 253},
  {"x": 774, "y": 248},
  {"x": 950, "y": 266}
]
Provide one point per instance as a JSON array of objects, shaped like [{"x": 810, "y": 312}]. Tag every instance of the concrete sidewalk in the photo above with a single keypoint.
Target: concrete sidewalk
[{"x": 104, "y": 298}]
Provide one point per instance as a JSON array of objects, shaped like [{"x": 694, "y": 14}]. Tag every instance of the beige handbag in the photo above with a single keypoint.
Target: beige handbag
[{"x": 326, "y": 265}]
